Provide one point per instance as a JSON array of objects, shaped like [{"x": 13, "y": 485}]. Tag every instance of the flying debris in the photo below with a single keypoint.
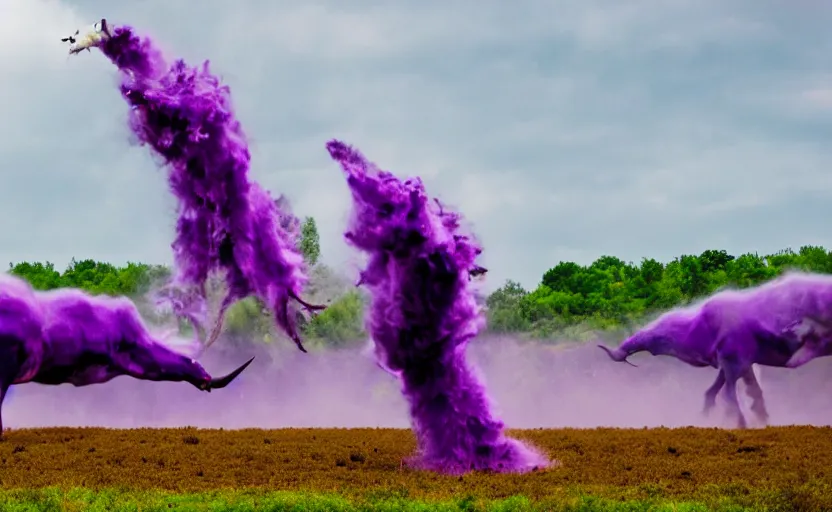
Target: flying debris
[{"x": 96, "y": 34}]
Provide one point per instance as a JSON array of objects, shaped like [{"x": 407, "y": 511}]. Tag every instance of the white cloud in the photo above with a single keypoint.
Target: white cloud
[
  {"x": 559, "y": 129},
  {"x": 819, "y": 98}
]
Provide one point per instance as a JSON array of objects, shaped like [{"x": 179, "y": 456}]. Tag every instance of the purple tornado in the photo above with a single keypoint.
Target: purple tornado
[
  {"x": 785, "y": 323},
  {"x": 226, "y": 222},
  {"x": 422, "y": 316},
  {"x": 68, "y": 336}
]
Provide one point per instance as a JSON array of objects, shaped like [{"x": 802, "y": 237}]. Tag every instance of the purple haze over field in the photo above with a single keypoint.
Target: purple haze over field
[{"x": 533, "y": 386}]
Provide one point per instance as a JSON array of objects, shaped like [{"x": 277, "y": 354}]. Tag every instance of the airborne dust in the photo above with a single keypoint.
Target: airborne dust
[{"x": 533, "y": 385}]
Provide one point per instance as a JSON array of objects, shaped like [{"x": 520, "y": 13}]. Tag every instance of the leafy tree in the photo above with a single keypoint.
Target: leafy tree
[
  {"x": 42, "y": 276},
  {"x": 712, "y": 260},
  {"x": 341, "y": 323},
  {"x": 504, "y": 309},
  {"x": 248, "y": 317},
  {"x": 815, "y": 259},
  {"x": 562, "y": 277},
  {"x": 692, "y": 278},
  {"x": 310, "y": 242},
  {"x": 785, "y": 259},
  {"x": 749, "y": 270}
]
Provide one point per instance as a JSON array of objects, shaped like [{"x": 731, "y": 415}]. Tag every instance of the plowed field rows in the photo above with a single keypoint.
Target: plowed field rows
[{"x": 780, "y": 467}]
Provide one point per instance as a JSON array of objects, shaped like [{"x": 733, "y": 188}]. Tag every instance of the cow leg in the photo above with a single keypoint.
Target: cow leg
[
  {"x": 755, "y": 392},
  {"x": 4, "y": 388},
  {"x": 732, "y": 375},
  {"x": 712, "y": 392},
  {"x": 9, "y": 366}
]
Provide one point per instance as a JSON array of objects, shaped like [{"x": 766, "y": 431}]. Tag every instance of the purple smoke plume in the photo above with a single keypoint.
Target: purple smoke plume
[
  {"x": 422, "y": 316},
  {"x": 226, "y": 222},
  {"x": 68, "y": 336}
]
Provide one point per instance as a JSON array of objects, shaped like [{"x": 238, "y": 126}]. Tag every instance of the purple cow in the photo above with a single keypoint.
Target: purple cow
[
  {"x": 785, "y": 323},
  {"x": 68, "y": 336}
]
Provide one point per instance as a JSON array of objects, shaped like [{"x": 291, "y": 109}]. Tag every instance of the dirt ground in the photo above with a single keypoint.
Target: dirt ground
[{"x": 674, "y": 463}]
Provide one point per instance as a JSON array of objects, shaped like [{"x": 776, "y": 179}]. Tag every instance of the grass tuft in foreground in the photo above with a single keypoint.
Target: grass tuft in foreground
[{"x": 79, "y": 499}]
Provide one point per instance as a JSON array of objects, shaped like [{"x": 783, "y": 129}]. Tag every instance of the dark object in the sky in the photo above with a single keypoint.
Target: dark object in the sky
[{"x": 94, "y": 36}]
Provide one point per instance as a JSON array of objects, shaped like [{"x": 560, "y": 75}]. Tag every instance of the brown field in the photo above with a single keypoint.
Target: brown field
[{"x": 668, "y": 463}]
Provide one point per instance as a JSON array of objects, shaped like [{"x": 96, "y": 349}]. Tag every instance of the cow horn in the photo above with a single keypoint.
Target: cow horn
[{"x": 221, "y": 382}]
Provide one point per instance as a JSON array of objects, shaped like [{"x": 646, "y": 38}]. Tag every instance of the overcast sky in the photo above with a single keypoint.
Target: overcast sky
[{"x": 563, "y": 130}]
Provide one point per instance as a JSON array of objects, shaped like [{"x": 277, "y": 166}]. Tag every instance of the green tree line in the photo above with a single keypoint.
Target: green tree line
[
  {"x": 570, "y": 300},
  {"x": 93, "y": 276},
  {"x": 610, "y": 292}
]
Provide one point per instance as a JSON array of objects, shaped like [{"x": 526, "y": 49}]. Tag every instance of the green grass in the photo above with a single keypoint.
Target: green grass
[{"x": 113, "y": 500}]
